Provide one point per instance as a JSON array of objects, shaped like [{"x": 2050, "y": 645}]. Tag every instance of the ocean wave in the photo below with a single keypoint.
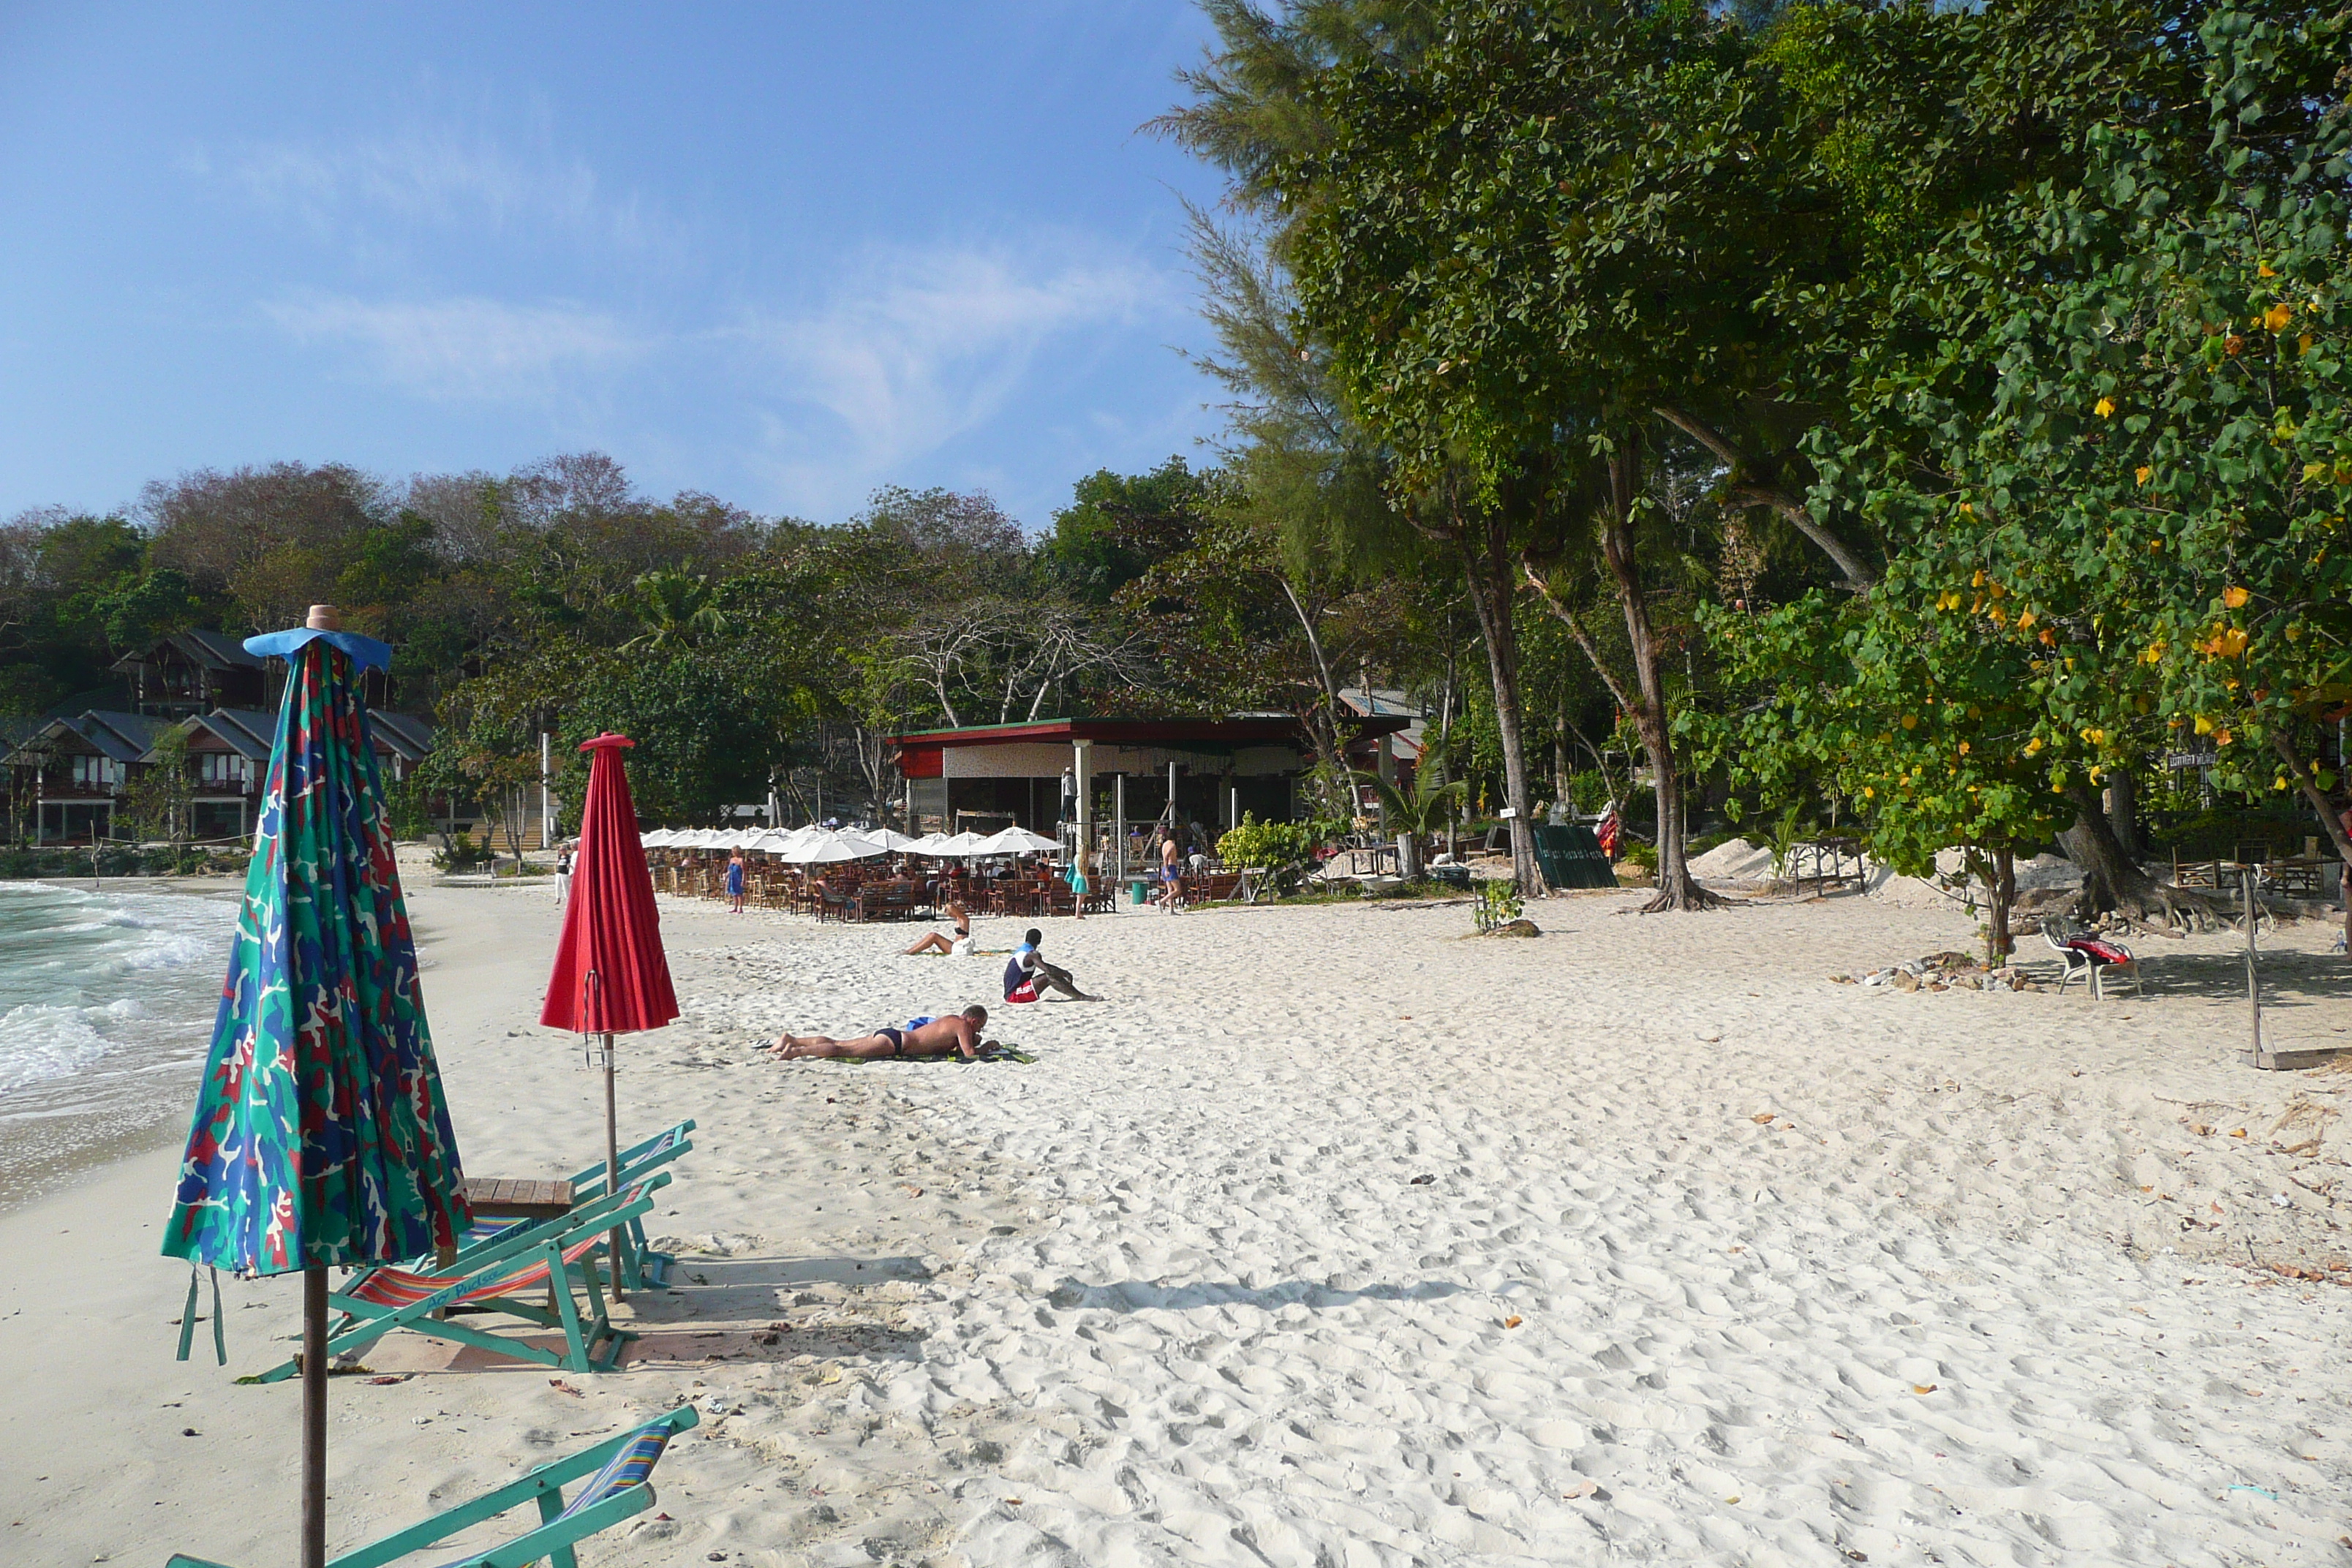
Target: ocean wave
[{"x": 40, "y": 1042}]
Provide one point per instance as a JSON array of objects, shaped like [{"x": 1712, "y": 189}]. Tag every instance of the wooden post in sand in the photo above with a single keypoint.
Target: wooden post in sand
[{"x": 2254, "y": 977}]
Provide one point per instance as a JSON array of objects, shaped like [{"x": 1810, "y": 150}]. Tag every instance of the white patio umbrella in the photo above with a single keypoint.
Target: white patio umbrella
[
  {"x": 929, "y": 843},
  {"x": 831, "y": 848},
  {"x": 865, "y": 848},
  {"x": 658, "y": 839},
  {"x": 889, "y": 840},
  {"x": 959, "y": 845},
  {"x": 1015, "y": 841}
]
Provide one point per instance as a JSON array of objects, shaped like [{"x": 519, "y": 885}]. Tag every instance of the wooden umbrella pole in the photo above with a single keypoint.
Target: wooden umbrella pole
[
  {"x": 314, "y": 1418},
  {"x": 615, "y": 1241}
]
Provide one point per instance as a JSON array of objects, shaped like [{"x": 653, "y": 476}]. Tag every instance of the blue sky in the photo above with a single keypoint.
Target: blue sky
[{"x": 782, "y": 253}]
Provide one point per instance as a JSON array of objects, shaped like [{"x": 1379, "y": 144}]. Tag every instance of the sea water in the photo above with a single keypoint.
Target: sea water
[{"x": 108, "y": 994}]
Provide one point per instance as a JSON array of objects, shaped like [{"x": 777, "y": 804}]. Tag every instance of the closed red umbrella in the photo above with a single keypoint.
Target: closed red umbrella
[{"x": 610, "y": 976}]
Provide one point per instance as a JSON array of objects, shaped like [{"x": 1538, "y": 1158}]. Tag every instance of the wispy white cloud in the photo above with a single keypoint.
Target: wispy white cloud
[
  {"x": 918, "y": 348},
  {"x": 467, "y": 349},
  {"x": 437, "y": 178}
]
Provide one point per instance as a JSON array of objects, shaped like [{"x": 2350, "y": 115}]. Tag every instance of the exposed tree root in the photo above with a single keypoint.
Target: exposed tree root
[
  {"x": 2113, "y": 882},
  {"x": 1684, "y": 894}
]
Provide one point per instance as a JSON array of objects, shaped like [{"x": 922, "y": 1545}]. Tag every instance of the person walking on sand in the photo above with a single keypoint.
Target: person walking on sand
[
  {"x": 955, "y": 1037},
  {"x": 735, "y": 882},
  {"x": 563, "y": 875},
  {"x": 1081, "y": 864},
  {"x": 1171, "y": 874},
  {"x": 961, "y": 946}
]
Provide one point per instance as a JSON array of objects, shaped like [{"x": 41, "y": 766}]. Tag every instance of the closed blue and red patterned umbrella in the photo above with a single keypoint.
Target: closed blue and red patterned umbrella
[{"x": 321, "y": 1136}]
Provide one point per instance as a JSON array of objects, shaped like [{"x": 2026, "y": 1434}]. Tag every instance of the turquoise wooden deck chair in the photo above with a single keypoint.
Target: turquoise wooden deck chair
[
  {"x": 623, "y": 1469},
  {"x": 640, "y": 1264},
  {"x": 543, "y": 1260}
]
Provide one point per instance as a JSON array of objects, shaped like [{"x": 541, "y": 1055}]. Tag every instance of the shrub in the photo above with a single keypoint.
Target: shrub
[
  {"x": 462, "y": 854},
  {"x": 1286, "y": 849},
  {"x": 1498, "y": 904},
  {"x": 1644, "y": 856}
]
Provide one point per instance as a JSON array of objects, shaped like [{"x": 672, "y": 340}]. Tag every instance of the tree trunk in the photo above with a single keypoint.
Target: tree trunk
[
  {"x": 1560, "y": 749},
  {"x": 1676, "y": 889},
  {"x": 1999, "y": 943},
  {"x": 2330, "y": 818},
  {"x": 2113, "y": 881},
  {"x": 1487, "y": 565},
  {"x": 2123, "y": 810}
]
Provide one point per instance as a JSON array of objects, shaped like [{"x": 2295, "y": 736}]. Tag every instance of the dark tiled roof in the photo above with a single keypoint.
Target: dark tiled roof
[
  {"x": 126, "y": 737},
  {"x": 248, "y": 731},
  {"x": 221, "y": 649},
  {"x": 406, "y": 732}
]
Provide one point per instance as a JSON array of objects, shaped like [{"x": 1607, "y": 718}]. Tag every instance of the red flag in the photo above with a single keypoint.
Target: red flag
[{"x": 611, "y": 975}]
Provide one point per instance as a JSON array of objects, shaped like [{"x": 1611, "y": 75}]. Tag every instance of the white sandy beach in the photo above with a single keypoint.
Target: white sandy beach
[{"x": 1329, "y": 1240}]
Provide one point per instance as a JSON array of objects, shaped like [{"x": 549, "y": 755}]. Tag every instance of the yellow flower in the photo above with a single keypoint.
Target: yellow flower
[
  {"x": 2204, "y": 725},
  {"x": 1910, "y": 721},
  {"x": 2025, "y": 621},
  {"x": 2156, "y": 543},
  {"x": 2033, "y": 745},
  {"x": 2105, "y": 408},
  {"x": 1978, "y": 581},
  {"x": 2235, "y": 597},
  {"x": 2262, "y": 269},
  {"x": 2277, "y": 317},
  {"x": 1868, "y": 792},
  {"x": 1964, "y": 748},
  {"x": 2303, "y": 344}
]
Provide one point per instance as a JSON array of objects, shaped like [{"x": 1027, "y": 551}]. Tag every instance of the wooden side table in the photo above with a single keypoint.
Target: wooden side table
[{"x": 503, "y": 1197}]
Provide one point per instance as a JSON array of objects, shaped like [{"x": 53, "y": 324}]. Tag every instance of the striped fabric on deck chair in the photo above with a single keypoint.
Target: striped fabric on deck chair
[
  {"x": 496, "y": 1277},
  {"x": 620, "y": 1485},
  {"x": 397, "y": 1288}
]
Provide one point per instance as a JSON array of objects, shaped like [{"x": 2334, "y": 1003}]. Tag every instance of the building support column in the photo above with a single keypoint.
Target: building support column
[{"x": 1082, "y": 772}]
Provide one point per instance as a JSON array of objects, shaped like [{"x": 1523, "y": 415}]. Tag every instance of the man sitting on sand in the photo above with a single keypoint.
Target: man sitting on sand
[
  {"x": 1027, "y": 973},
  {"x": 953, "y": 1036}
]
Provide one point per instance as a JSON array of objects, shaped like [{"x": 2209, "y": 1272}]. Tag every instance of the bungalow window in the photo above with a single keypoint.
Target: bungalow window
[
  {"x": 97, "y": 772},
  {"x": 226, "y": 768}
]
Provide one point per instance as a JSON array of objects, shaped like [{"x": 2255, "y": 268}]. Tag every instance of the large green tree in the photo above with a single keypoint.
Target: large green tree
[{"x": 2121, "y": 447}]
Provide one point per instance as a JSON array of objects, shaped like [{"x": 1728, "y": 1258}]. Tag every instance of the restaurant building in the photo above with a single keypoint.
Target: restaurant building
[{"x": 1121, "y": 772}]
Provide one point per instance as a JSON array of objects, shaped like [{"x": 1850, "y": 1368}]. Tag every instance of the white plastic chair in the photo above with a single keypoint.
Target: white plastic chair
[{"x": 2082, "y": 965}]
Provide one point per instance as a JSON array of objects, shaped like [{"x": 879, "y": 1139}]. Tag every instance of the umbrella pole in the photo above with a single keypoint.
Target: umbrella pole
[
  {"x": 615, "y": 1241},
  {"x": 314, "y": 1418}
]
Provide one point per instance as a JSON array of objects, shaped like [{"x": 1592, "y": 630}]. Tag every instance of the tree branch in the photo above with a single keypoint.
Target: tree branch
[
  {"x": 1583, "y": 639},
  {"x": 1758, "y": 483}
]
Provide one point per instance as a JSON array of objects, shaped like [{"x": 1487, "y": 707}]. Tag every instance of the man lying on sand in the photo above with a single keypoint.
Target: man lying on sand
[{"x": 953, "y": 1036}]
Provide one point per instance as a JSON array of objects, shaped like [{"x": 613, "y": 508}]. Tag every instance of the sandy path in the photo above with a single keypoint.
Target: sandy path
[{"x": 1179, "y": 1289}]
